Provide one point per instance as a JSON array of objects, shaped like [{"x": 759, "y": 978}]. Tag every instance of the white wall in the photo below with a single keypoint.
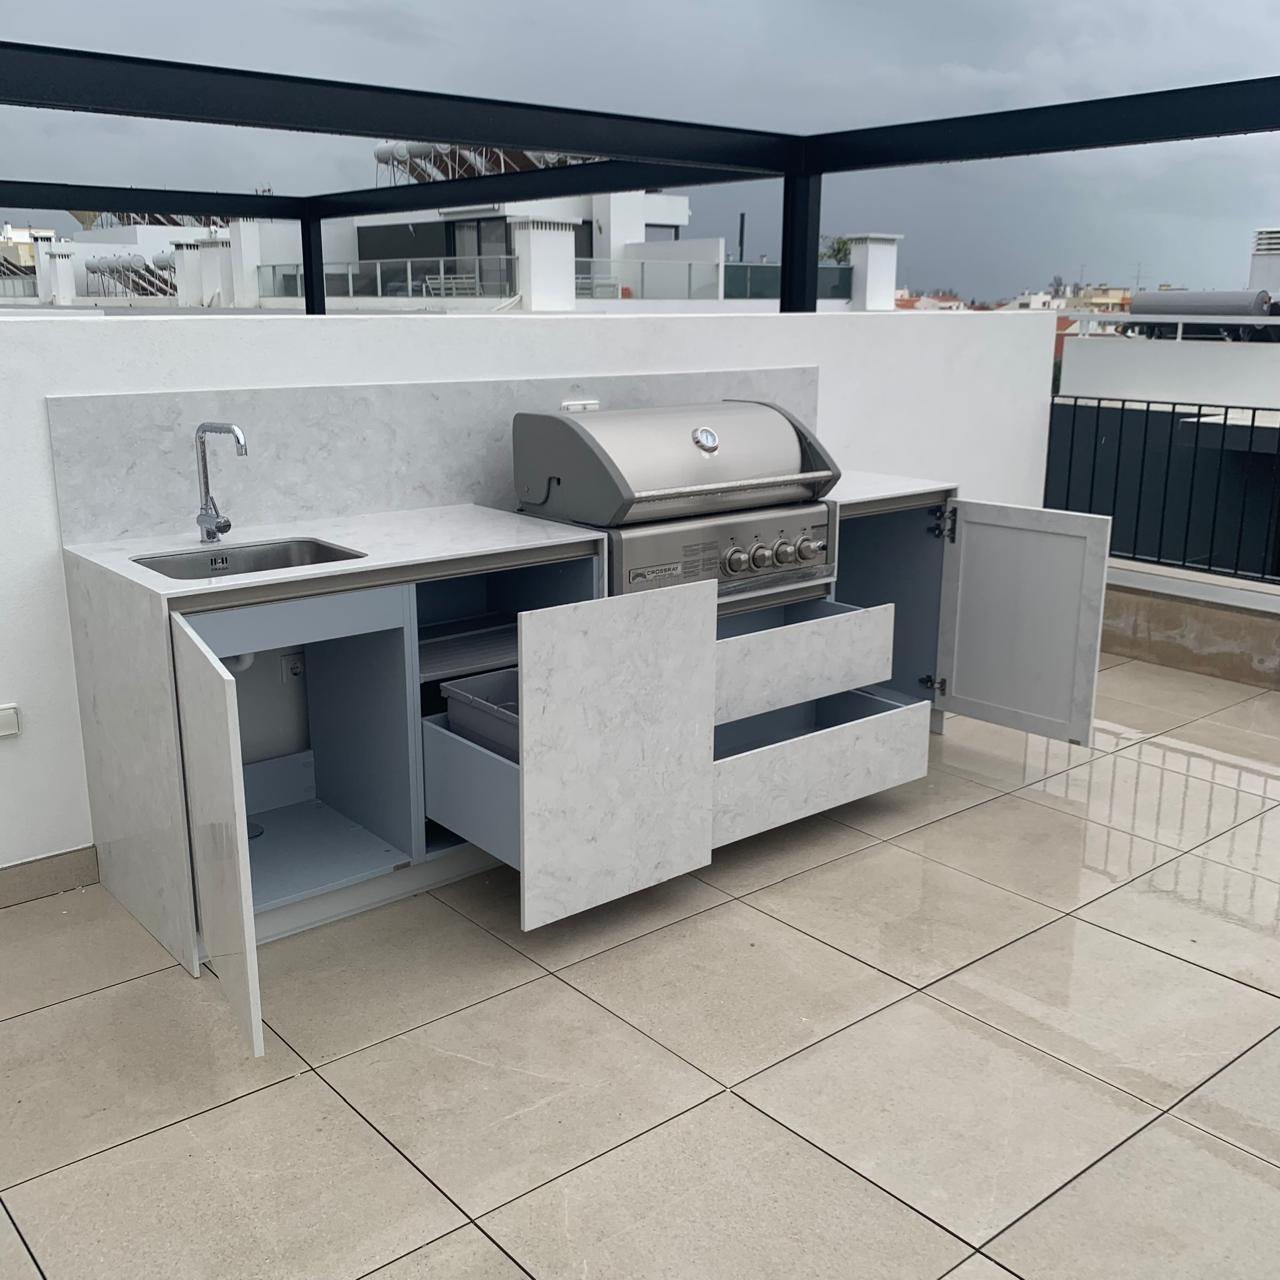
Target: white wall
[
  {"x": 1235, "y": 373},
  {"x": 963, "y": 398}
]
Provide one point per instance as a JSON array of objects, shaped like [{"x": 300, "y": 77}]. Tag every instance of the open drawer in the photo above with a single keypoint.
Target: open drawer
[
  {"x": 785, "y": 654},
  {"x": 799, "y": 760},
  {"x": 612, "y": 789}
]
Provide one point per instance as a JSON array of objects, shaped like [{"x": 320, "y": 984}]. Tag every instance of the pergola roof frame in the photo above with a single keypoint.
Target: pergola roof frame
[{"x": 633, "y": 152}]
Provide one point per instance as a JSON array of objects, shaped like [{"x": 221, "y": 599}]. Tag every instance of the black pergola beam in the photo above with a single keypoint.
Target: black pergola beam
[
  {"x": 73, "y": 195},
  {"x": 801, "y": 211},
  {"x": 591, "y": 179},
  {"x": 1169, "y": 115},
  {"x": 113, "y": 84}
]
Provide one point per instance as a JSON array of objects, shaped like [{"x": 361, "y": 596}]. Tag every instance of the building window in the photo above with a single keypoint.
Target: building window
[
  {"x": 584, "y": 240},
  {"x": 660, "y": 231}
]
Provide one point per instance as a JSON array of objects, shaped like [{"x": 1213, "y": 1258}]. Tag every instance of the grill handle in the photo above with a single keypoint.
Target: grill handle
[{"x": 734, "y": 486}]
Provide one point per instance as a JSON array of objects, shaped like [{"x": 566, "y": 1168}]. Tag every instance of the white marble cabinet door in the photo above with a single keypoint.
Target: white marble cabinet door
[
  {"x": 1021, "y": 623},
  {"x": 617, "y": 713},
  {"x": 217, "y": 822}
]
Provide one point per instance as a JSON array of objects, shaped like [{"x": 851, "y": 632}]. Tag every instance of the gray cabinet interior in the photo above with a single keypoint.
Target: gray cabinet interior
[
  {"x": 997, "y": 609},
  {"x": 346, "y": 805}
]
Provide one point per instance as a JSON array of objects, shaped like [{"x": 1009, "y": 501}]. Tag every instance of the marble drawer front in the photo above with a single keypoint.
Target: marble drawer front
[
  {"x": 788, "y": 764},
  {"x": 792, "y": 653}
]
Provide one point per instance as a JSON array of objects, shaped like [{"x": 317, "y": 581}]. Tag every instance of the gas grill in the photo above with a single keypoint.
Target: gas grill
[{"x": 730, "y": 491}]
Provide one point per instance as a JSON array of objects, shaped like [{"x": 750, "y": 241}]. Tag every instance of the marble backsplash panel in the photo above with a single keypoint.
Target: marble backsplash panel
[{"x": 124, "y": 465}]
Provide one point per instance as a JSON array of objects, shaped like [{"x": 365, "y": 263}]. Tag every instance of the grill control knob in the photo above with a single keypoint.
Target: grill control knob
[
  {"x": 809, "y": 549},
  {"x": 761, "y": 556},
  {"x": 784, "y": 552},
  {"x": 735, "y": 560}
]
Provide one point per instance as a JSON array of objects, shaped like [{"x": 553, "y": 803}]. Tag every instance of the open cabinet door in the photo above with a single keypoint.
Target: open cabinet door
[
  {"x": 1021, "y": 624},
  {"x": 617, "y": 715},
  {"x": 217, "y": 822}
]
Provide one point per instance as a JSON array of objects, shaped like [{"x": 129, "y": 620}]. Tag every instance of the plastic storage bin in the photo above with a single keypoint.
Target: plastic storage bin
[{"x": 486, "y": 710}]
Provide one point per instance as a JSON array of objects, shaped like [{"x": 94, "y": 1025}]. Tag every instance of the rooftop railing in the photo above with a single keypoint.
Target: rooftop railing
[
  {"x": 17, "y": 287},
  {"x": 764, "y": 280},
  {"x": 479, "y": 276},
  {"x": 1191, "y": 485},
  {"x": 644, "y": 278}
]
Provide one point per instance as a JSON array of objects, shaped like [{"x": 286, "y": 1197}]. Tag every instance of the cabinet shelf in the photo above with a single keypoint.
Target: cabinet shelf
[{"x": 308, "y": 848}]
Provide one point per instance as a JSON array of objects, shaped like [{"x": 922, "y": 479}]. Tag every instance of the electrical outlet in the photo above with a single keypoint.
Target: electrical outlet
[
  {"x": 10, "y": 724},
  {"x": 292, "y": 667}
]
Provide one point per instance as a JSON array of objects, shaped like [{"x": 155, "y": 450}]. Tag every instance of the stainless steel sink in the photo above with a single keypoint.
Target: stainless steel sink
[{"x": 218, "y": 560}]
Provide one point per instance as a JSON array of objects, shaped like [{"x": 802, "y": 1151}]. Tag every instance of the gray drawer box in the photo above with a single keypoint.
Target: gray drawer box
[
  {"x": 788, "y": 764},
  {"x": 793, "y": 653},
  {"x": 471, "y": 790}
]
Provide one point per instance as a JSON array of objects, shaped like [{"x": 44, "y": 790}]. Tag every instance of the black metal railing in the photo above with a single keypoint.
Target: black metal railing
[{"x": 1192, "y": 485}]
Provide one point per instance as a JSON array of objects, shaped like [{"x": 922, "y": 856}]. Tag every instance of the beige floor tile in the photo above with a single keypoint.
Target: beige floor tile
[
  {"x": 466, "y": 1254},
  {"x": 1157, "y": 804},
  {"x": 1226, "y": 920},
  {"x": 732, "y": 990},
  {"x": 494, "y": 1100},
  {"x": 965, "y": 1123},
  {"x": 1184, "y": 692},
  {"x": 1108, "y": 660},
  {"x": 1135, "y": 1017},
  {"x": 492, "y": 900},
  {"x": 288, "y": 1182},
  {"x": 720, "y": 1193},
  {"x": 345, "y": 985},
  {"x": 978, "y": 1268},
  {"x": 101, "y": 1069},
  {"x": 1000, "y": 757},
  {"x": 1036, "y": 851},
  {"x": 747, "y": 865},
  {"x": 1253, "y": 846},
  {"x": 913, "y": 804},
  {"x": 15, "y": 1261},
  {"x": 1216, "y": 753},
  {"x": 1117, "y": 723},
  {"x": 55, "y": 948},
  {"x": 1257, "y": 715},
  {"x": 1242, "y": 1103},
  {"x": 911, "y": 917},
  {"x": 1172, "y": 1204}
]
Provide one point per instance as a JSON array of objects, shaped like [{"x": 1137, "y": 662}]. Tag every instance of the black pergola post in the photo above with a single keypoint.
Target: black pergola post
[
  {"x": 312, "y": 265},
  {"x": 801, "y": 206}
]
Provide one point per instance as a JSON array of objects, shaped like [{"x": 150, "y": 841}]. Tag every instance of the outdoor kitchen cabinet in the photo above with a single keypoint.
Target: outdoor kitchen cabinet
[{"x": 997, "y": 609}]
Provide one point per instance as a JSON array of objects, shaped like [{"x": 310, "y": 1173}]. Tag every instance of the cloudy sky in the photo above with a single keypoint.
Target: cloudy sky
[{"x": 1182, "y": 213}]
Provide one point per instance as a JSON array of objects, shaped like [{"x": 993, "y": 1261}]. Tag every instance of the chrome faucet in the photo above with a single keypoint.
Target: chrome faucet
[{"x": 211, "y": 522}]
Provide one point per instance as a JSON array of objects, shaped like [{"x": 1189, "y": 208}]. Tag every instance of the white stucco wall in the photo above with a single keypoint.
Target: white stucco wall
[
  {"x": 1233, "y": 373},
  {"x": 956, "y": 397}
]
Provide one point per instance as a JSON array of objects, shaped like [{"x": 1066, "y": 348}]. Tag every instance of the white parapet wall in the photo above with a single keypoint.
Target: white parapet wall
[{"x": 962, "y": 398}]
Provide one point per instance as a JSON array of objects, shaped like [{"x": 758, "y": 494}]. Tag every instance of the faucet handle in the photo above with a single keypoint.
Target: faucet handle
[{"x": 222, "y": 525}]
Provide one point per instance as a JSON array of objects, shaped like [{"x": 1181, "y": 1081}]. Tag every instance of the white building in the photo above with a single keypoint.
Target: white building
[{"x": 624, "y": 252}]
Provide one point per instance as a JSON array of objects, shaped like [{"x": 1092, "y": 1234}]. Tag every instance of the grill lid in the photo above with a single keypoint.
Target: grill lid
[{"x": 627, "y": 466}]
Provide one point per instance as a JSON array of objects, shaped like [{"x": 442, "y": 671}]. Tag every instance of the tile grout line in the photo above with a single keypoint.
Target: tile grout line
[
  {"x": 80, "y": 995},
  {"x": 17, "y": 1230},
  {"x": 320, "y": 1065},
  {"x": 600, "y": 1155},
  {"x": 417, "y": 1248},
  {"x": 857, "y": 1173},
  {"x": 160, "y": 1128},
  {"x": 1172, "y": 954},
  {"x": 791, "y": 875},
  {"x": 1162, "y": 1113}
]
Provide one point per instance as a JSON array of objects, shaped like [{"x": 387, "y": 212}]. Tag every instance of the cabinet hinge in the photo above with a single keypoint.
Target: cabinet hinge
[
  {"x": 945, "y": 523},
  {"x": 937, "y": 685}
]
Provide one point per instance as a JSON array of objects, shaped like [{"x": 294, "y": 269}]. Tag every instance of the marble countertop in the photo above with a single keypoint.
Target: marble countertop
[
  {"x": 855, "y": 487},
  {"x": 390, "y": 540}
]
